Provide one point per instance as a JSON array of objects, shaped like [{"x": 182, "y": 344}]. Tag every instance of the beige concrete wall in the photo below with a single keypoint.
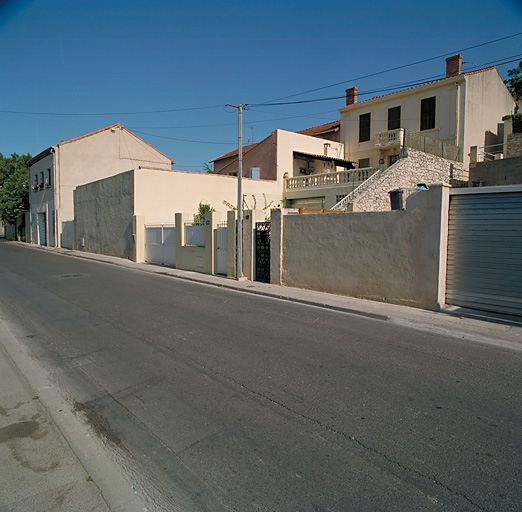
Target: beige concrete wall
[
  {"x": 198, "y": 259},
  {"x": 161, "y": 194},
  {"x": 487, "y": 101},
  {"x": 104, "y": 216},
  {"x": 385, "y": 256}
]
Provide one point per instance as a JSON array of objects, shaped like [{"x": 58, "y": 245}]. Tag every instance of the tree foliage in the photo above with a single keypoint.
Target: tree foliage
[
  {"x": 14, "y": 186},
  {"x": 208, "y": 168},
  {"x": 514, "y": 82},
  {"x": 199, "y": 218}
]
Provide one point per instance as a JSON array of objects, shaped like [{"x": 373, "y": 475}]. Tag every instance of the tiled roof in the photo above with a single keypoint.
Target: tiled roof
[
  {"x": 333, "y": 126},
  {"x": 115, "y": 125},
  {"x": 313, "y": 131},
  {"x": 467, "y": 73},
  {"x": 246, "y": 149}
]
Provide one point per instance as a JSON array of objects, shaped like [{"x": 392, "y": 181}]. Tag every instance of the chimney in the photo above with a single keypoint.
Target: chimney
[
  {"x": 454, "y": 65},
  {"x": 351, "y": 96}
]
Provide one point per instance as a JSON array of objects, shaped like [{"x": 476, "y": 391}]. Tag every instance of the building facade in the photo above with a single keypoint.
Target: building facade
[
  {"x": 57, "y": 171},
  {"x": 458, "y": 111}
]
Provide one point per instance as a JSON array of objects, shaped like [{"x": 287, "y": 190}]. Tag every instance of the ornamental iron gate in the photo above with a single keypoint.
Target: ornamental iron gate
[{"x": 262, "y": 270}]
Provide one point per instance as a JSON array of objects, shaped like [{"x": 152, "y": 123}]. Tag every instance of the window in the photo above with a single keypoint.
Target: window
[
  {"x": 427, "y": 117},
  {"x": 364, "y": 127},
  {"x": 364, "y": 162},
  {"x": 394, "y": 118},
  {"x": 48, "y": 178}
]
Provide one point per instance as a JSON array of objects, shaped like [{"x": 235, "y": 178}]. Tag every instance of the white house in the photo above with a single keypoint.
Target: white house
[
  {"x": 58, "y": 170},
  {"x": 461, "y": 110}
]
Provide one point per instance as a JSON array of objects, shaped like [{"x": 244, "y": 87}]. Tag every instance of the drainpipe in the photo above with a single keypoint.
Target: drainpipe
[
  {"x": 457, "y": 115},
  {"x": 57, "y": 180}
]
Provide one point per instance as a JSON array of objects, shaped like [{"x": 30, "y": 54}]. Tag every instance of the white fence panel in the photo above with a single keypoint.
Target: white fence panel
[
  {"x": 160, "y": 244},
  {"x": 194, "y": 234}
]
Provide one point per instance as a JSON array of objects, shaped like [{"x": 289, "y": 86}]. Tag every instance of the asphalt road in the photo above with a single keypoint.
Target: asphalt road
[{"x": 218, "y": 400}]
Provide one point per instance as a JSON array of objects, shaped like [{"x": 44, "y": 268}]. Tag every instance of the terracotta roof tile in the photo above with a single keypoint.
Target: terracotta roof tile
[
  {"x": 323, "y": 128},
  {"x": 467, "y": 73}
]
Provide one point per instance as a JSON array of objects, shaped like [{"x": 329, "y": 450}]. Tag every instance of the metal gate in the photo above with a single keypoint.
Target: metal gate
[
  {"x": 262, "y": 270},
  {"x": 42, "y": 228},
  {"x": 160, "y": 244},
  {"x": 484, "y": 268},
  {"x": 221, "y": 248}
]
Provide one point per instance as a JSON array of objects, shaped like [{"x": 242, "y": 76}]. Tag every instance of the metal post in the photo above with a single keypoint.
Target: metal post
[
  {"x": 239, "y": 241},
  {"x": 239, "y": 265}
]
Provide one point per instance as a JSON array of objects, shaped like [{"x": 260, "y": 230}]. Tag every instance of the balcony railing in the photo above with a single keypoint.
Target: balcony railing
[
  {"x": 390, "y": 138},
  {"x": 329, "y": 179}
]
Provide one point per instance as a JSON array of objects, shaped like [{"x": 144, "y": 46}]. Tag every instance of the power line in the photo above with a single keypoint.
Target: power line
[
  {"x": 185, "y": 140},
  {"x": 396, "y": 68},
  {"x": 166, "y": 111},
  {"x": 391, "y": 88}
]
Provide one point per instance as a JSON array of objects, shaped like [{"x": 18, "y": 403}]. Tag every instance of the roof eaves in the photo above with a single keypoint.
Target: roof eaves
[
  {"x": 40, "y": 156},
  {"x": 467, "y": 73}
]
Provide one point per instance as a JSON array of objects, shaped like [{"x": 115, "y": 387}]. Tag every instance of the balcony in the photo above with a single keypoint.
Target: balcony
[
  {"x": 329, "y": 179},
  {"x": 390, "y": 138}
]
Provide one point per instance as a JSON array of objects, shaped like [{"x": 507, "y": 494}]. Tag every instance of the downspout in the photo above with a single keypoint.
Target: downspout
[
  {"x": 457, "y": 116},
  {"x": 57, "y": 182}
]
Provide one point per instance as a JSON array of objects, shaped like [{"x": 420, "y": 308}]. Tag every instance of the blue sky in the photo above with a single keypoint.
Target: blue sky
[{"x": 166, "y": 69}]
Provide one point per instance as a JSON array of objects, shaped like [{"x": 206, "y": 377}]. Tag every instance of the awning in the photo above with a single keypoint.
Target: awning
[{"x": 323, "y": 158}]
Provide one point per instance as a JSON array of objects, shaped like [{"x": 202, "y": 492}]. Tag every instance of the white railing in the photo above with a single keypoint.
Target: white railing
[
  {"x": 328, "y": 179},
  {"x": 390, "y": 138},
  {"x": 341, "y": 205}
]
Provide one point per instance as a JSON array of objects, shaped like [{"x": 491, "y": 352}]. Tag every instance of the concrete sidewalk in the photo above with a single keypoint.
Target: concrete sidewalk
[
  {"x": 50, "y": 461},
  {"x": 38, "y": 470}
]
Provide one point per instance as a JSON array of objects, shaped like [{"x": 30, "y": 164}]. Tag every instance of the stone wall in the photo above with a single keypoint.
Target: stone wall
[
  {"x": 514, "y": 145},
  {"x": 416, "y": 140},
  {"x": 417, "y": 167},
  {"x": 507, "y": 171}
]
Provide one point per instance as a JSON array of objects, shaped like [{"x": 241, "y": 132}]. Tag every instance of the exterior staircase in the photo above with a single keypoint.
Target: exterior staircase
[{"x": 365, "y": 185}]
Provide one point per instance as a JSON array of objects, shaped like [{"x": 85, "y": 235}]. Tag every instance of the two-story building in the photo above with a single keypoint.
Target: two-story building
[
  {"x": 444, "y": 117},
  {"x": 58, "y": 170}
]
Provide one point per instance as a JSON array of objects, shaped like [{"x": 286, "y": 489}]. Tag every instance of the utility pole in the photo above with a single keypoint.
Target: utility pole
[{"x": 239, "y": 242}]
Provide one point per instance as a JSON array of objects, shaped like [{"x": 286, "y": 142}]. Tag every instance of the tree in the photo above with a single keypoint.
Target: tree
[
  {"x": 208, "y": 168},
  {"x": 14, "y": 186},
  {"x": 9, "y": 164},
  {"x": 514, "y": 82}
]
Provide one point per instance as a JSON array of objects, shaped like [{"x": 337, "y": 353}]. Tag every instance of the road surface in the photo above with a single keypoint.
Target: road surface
[{"x": 215, "y": 400}]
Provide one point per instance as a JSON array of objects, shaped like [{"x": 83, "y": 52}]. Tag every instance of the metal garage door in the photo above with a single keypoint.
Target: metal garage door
[{"x": 485, "y": 251}]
